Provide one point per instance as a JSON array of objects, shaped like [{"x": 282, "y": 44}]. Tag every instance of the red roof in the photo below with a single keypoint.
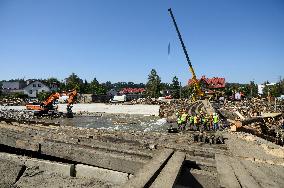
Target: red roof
[
  {"x": 213, "y": 83},
  {"x": 132, "y": 90}
]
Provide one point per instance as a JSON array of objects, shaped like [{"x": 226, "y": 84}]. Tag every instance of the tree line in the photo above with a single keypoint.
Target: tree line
[{"x": 154, "y": 86}]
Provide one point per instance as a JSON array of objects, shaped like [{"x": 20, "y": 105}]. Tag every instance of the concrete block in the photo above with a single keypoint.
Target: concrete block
[
  {"x": 170, "y": 172},
  {"x": 88, "y": 155},
  {"x": 101, "y": 174},
  {"x": 20, "y": 160},
  {"x": 244, "y": 177},
  {"x": 27, "y": 145},
  {"x": 49, "y": 166},
  {"x": 150, "y": 170},
  {"x": 45, "y": 165},
  {"x": 225, "y": 171},
  {"x": 10, "y": 172}
]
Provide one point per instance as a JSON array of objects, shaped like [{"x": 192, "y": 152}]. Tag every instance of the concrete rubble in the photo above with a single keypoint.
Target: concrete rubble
[{"x": 11, "y": 101}]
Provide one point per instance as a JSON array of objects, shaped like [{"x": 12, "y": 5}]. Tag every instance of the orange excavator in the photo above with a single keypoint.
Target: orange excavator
[{"x": 47, "y": 107}]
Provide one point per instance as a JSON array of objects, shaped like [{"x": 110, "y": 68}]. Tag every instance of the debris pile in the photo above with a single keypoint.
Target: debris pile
[
  {"x": 14, "y": 101},
  {"x": 16, "y": 114},
  {"x": 149, "y": 101},
  {"x": 256, "y": 116},
  {"x": 254, "y": 107},
  {"x": 169, "y": 108}
]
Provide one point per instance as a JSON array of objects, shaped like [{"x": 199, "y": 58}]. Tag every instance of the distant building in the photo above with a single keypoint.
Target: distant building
[
  {"x": 132, "y": 91},
  {"x": 260, "y": 87},
  {"x": 112, "y": 92},
  {"x": 35, "y": 87},
  {"x": 13, "y": 87},
  {"x": 54, "y": 86},
  {"x": 210, "y": 84}
]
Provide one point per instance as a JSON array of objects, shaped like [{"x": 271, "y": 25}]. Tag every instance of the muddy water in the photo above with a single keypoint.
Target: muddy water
[{"x": 118, "y": 122}]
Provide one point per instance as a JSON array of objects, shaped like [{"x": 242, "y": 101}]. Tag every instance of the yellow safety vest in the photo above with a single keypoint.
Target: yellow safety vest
[
  {"x": 183, "y": 117},
  {"x": 215, "y": 119}
]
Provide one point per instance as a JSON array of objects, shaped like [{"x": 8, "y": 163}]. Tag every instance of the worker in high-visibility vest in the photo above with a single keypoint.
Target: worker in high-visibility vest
[
  {"x": 178, "y": 114},
  {"x": 183, "y": 117},
  {"x": 205, "y": 122},
  {"x": 191, "y": 122},
  {"x": 210, "y": 122},
  {"x": 215, "y": 121},
  {"x": 196, "y": 122}
]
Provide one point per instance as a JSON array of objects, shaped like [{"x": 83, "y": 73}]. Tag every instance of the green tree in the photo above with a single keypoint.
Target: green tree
[
  {"x": 86, "y": 87},
  {"x": 253, "y": 89},
  {"x": 52, "y": 80},
  {"x": 186, "y": 92},
  {"x": 97, "y": 88},
  {"x": 74, "y": 82},
  {"x": 175, "y": 87},
  {"x": 273, "y": 90},
  {"x": 153, "y": 85},
  {"x": 42, "y": 96},
  {"x": 107, "y": 85}
]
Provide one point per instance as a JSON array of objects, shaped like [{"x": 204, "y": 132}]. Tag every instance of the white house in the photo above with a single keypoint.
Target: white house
[
  {"x": 261, "y": 87},
  {"x": 34, "y": 88}
]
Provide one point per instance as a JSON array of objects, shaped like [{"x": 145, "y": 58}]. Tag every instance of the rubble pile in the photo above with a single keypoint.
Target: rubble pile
[
  {"x": 16, "y": 114},
  {"x": 148, "y": 100},
  {"x": 258, "y": 117},
  {"x": 169, "y": 108},
  {"x": 14, "y": 101},
  {"x": 254, "y": 107}
]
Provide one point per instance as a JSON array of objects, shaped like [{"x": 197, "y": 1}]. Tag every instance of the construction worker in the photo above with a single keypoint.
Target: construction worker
[
  {"x": 196, "y": 122},
  {"x": 201, "y": 119},
  {"x": 184, "y": 118},
  {"x": 205, "y": 122},
  {"x": 179, "y": 121},
  {"x": 210, "y": 122},
  {"x": 215, "y": 121},
  {"x": 191, "y": 122}
]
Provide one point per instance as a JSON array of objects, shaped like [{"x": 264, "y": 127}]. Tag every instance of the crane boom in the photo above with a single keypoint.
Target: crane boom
[
  {"x": 196, "y": 84},
  {"x": 182, "y": 43}
]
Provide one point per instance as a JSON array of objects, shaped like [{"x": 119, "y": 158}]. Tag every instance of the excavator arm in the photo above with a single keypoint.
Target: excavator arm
[
  {"x": 71, "y": 98},
  {"x": 51, "y": 99}
]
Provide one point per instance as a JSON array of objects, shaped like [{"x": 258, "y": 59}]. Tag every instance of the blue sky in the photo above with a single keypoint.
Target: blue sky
[{"x": 122, "y": 40}]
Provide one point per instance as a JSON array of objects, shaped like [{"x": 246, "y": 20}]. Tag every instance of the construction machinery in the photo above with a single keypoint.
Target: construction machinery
[
  {"x": 47, "y": 107},
  {"x": 197, "y": 91}
]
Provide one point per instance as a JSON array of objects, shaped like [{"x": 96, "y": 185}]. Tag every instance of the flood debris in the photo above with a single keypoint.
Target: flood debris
[{"x": 256, "y": 116}]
